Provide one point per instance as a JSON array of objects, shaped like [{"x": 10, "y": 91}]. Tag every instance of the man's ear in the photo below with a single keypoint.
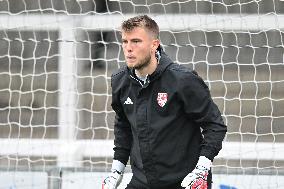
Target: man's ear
[{"x": 155, "y": 44}]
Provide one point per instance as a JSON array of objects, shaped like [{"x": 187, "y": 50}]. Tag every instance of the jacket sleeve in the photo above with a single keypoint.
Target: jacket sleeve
[
  {"x": 122, "y": 130},
  {"x": 201, "y": 109}
]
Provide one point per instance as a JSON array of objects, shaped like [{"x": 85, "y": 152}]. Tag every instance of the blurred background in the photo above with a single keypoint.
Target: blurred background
[{"x": 56, "y": 59}]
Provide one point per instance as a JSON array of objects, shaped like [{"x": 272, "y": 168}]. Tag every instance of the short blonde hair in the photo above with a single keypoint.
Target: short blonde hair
[{"x": 141, "y": 21}]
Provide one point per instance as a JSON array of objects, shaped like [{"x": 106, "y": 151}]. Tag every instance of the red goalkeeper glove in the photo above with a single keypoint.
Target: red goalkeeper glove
[{"x": 197, "y": 179}]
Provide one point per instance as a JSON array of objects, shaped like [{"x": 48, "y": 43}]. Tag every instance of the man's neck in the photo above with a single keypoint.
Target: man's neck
[
  {"x": 141, "y": 78},
  {"x": 147, "y": 70}
]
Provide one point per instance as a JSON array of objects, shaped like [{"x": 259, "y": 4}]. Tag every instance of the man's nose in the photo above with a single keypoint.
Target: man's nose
[{"x": 128, "y": 47}]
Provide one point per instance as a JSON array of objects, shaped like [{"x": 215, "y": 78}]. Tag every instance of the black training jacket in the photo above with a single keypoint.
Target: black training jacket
[{"x": 159, "y": 124}]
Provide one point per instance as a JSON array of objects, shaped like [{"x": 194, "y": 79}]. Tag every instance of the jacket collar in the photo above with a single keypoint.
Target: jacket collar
[{"x": 164, "y": 62}]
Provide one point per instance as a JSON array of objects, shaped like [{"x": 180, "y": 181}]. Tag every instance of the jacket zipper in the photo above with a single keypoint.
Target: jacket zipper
[{"x": 137, "y": 80}]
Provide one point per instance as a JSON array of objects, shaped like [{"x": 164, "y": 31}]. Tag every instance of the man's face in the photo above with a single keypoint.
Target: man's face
[{"x": 137, "y": 45}]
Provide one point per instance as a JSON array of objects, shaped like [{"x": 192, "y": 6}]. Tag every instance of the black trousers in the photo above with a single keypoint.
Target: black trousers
[{"x": 136, "y": 184}]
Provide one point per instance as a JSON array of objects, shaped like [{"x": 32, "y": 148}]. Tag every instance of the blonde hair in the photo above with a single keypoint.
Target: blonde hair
[{"x": 141, "y": 21}]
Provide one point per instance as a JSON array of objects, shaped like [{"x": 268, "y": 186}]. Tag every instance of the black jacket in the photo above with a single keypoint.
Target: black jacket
[{"x": 163, "y": 137}]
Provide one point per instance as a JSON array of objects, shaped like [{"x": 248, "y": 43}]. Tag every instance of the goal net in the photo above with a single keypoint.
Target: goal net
[{"x": 56, "y": 59}]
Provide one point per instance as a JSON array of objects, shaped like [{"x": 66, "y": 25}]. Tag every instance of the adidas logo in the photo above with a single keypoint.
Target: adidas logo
[{"x": 128, "y": 101}]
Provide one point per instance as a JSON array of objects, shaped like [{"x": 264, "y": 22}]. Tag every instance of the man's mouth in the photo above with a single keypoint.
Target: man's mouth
[{"x": 130, "y": 58}]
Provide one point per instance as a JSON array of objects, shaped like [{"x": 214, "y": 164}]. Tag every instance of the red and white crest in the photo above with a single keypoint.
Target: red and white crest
[{"x": 162, "y": 99}]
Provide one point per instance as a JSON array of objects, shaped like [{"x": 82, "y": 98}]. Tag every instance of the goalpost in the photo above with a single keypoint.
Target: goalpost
[{"x": 56, "y": 60}]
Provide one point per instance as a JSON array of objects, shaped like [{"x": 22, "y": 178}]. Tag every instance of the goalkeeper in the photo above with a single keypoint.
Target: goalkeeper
[{"x": 166, "y": 121}]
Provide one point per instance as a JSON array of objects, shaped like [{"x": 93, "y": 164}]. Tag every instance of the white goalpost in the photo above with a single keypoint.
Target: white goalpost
[{"x": 56, "y": 122}]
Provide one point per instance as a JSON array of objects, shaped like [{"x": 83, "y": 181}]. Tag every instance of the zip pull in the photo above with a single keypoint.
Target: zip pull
[{"x": 147, "y": 82}]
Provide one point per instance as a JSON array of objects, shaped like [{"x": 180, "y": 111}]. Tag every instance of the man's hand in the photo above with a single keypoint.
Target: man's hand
[
  {"x": 197, "y": 179},
  {"x": 112, "y": 181},
  {"x": 114, "y": 178}
]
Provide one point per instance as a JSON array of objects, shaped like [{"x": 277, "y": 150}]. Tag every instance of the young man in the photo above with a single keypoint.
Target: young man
[{"x": 166, "y": 121}]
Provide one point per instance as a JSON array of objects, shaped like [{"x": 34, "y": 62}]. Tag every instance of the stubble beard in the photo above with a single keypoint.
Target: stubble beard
[{"x": 143, "y": 63}]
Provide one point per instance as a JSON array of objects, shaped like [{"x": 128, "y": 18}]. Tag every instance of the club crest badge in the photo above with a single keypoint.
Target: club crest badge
[{"x": 162, "y": 99}]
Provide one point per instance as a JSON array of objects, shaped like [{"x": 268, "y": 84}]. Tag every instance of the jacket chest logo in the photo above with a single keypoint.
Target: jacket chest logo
[
  {"x": 128, "y": 101},
  {"x": 162, "y": 99}
]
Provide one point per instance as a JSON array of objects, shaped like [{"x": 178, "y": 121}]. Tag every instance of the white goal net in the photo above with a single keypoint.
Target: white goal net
[{"x": 56, "y": 59}]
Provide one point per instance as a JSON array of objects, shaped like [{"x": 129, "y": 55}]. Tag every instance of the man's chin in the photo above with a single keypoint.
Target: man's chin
[
  {"x": 130, "y": 65},
  {"x": 137, "y": 65}
]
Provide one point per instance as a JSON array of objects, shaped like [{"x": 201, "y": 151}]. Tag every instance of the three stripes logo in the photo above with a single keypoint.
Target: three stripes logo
[{"x": 128, "y": 101}]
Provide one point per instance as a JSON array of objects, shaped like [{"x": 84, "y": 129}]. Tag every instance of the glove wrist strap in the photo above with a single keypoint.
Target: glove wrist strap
[
  {"x": 204, "y": 162},
  {"x": 118, "y": 167}
]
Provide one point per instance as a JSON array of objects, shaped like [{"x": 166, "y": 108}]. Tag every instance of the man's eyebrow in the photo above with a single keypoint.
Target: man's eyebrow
[
  {"x": 136, "y": 39},
  {"x": 133, "y": 39}
]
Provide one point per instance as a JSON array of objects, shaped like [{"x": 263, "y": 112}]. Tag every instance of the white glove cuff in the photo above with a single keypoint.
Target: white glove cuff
[
  {"x": 204, "y": 162},
  {"x": 118, "y": 166}
]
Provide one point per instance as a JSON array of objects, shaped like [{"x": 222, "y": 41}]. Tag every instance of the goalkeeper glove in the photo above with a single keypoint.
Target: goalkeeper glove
[
  {"x": 114, "y": 178},
  {"x": 197, "y": 179}
]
